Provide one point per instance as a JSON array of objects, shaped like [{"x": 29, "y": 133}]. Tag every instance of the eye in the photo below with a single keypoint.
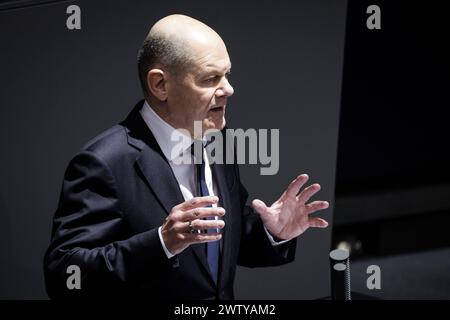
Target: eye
[{"x": 212, "y": 79}]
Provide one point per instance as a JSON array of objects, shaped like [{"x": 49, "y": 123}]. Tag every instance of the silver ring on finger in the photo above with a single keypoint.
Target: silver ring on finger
[{"x": 192, "y": 230}]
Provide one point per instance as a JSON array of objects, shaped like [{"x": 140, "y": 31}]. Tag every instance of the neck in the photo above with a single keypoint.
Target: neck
[{"x": 162, "y": 110}]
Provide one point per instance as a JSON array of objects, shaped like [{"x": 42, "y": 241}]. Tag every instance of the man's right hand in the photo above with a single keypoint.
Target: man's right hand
[{"x": 180, "y": 229}]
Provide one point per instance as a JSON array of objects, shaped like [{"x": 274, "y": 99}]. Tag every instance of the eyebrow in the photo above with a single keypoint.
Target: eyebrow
[
  {"x": 216, "y": 68},
  {"x": 210, "y": 72}
]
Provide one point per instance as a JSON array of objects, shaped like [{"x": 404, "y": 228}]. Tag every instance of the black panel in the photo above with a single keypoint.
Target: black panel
[
  {"x": 393, "y": 127},
  {"x": 393, "y": 176}
]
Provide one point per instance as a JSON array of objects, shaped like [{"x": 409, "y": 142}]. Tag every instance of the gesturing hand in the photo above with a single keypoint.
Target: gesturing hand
[
  {"x": 179, "y": 230},
  {"x": 288, "y": 217}
]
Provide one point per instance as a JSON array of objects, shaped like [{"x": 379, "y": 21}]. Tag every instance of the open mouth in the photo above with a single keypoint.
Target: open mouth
[{"x": 217, "y": 109}]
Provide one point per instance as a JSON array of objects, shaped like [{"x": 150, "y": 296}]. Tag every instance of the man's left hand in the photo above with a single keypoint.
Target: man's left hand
[{"x": 289, "y": 216}]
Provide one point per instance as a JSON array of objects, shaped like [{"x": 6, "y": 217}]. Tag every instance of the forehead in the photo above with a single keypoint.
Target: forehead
[
  {"x": 212, "y": 60},
  {"x": 220, "y": 66}
]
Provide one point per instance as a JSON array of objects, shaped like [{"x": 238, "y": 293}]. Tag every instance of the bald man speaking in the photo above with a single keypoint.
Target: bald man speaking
[{"x": 134, "y": 221}]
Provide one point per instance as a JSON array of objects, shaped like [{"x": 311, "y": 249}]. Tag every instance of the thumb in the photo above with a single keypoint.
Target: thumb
[{"x": 260, "y": 207}]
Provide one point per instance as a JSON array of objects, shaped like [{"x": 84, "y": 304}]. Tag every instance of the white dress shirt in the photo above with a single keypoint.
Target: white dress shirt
[{"x": 184, "y": 173}]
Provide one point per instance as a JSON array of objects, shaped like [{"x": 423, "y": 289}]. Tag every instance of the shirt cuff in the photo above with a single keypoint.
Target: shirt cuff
[
  {"x": 272, "y": 240},
  {"x": 168, "y": 254}
]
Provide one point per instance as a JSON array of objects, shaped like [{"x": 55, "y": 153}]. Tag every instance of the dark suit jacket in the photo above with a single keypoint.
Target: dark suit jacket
[{"x": 116, "y": 192}]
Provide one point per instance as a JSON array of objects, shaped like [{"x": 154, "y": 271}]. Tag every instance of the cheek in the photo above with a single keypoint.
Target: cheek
[
  {"x": 198, "y": 101},
  {"x": 207, "y": 99}
]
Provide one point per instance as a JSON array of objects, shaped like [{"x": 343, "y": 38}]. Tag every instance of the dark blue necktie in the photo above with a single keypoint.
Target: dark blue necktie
[{"x": 212, "y": 248}]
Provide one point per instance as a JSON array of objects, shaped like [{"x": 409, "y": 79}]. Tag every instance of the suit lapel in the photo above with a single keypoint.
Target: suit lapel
[
  {"x": 156, "y": 170},
  {"x": 162, "y": 181},
  {"x": 159, "y": 175},
  {"x": 151, "y": 162}
]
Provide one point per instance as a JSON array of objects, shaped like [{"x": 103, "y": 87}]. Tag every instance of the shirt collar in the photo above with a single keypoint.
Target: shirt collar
[{"x": 168, "y": 138}]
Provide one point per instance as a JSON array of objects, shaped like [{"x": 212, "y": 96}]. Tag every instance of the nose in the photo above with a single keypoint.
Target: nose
[{"x": 225, "y": 89}]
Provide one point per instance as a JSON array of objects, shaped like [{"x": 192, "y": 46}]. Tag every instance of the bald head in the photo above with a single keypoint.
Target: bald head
[
  {"x": 173, "y": 43},
  {"x": 182, "y": 28}
]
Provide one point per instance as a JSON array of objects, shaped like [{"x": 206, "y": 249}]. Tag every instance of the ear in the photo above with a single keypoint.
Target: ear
[{"x": 156, "y": 82}]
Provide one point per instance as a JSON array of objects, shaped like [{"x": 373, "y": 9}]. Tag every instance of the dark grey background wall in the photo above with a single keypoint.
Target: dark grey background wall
[{"x": 61, "y": 87}]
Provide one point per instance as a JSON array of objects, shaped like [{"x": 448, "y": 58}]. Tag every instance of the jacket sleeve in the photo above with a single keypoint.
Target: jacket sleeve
[
  {"x": 88, "y": 232},
  {"x": 256, "y": 250}
]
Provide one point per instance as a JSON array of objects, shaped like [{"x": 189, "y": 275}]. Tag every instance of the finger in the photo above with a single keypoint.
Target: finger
[
  {"x": 316, "y": 206},
  {"x": 203, "y": 225},
  {"x": 203, "y": 237},
  {"x": 260, "y": 207},
  {"x": 208, "y": 224},
  {"x": 178, "y": 210},
  {"x": 307, "y": 193},
  {"x": 199, "y": 213},
  {"x": 180, "y": 227},
  {"x": 317, "y": 223},
  {"x": 197, "y": 202},
  {"x": 296, "y": 185}
]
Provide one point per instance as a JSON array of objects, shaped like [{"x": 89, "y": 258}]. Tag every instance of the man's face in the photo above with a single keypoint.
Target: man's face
[{"x": 201, "y": 93}]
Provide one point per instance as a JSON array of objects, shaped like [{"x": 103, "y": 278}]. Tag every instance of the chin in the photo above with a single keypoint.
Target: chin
[
  {"x": 221, "y": 124},
  {"x": 215, "y": 124}
]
